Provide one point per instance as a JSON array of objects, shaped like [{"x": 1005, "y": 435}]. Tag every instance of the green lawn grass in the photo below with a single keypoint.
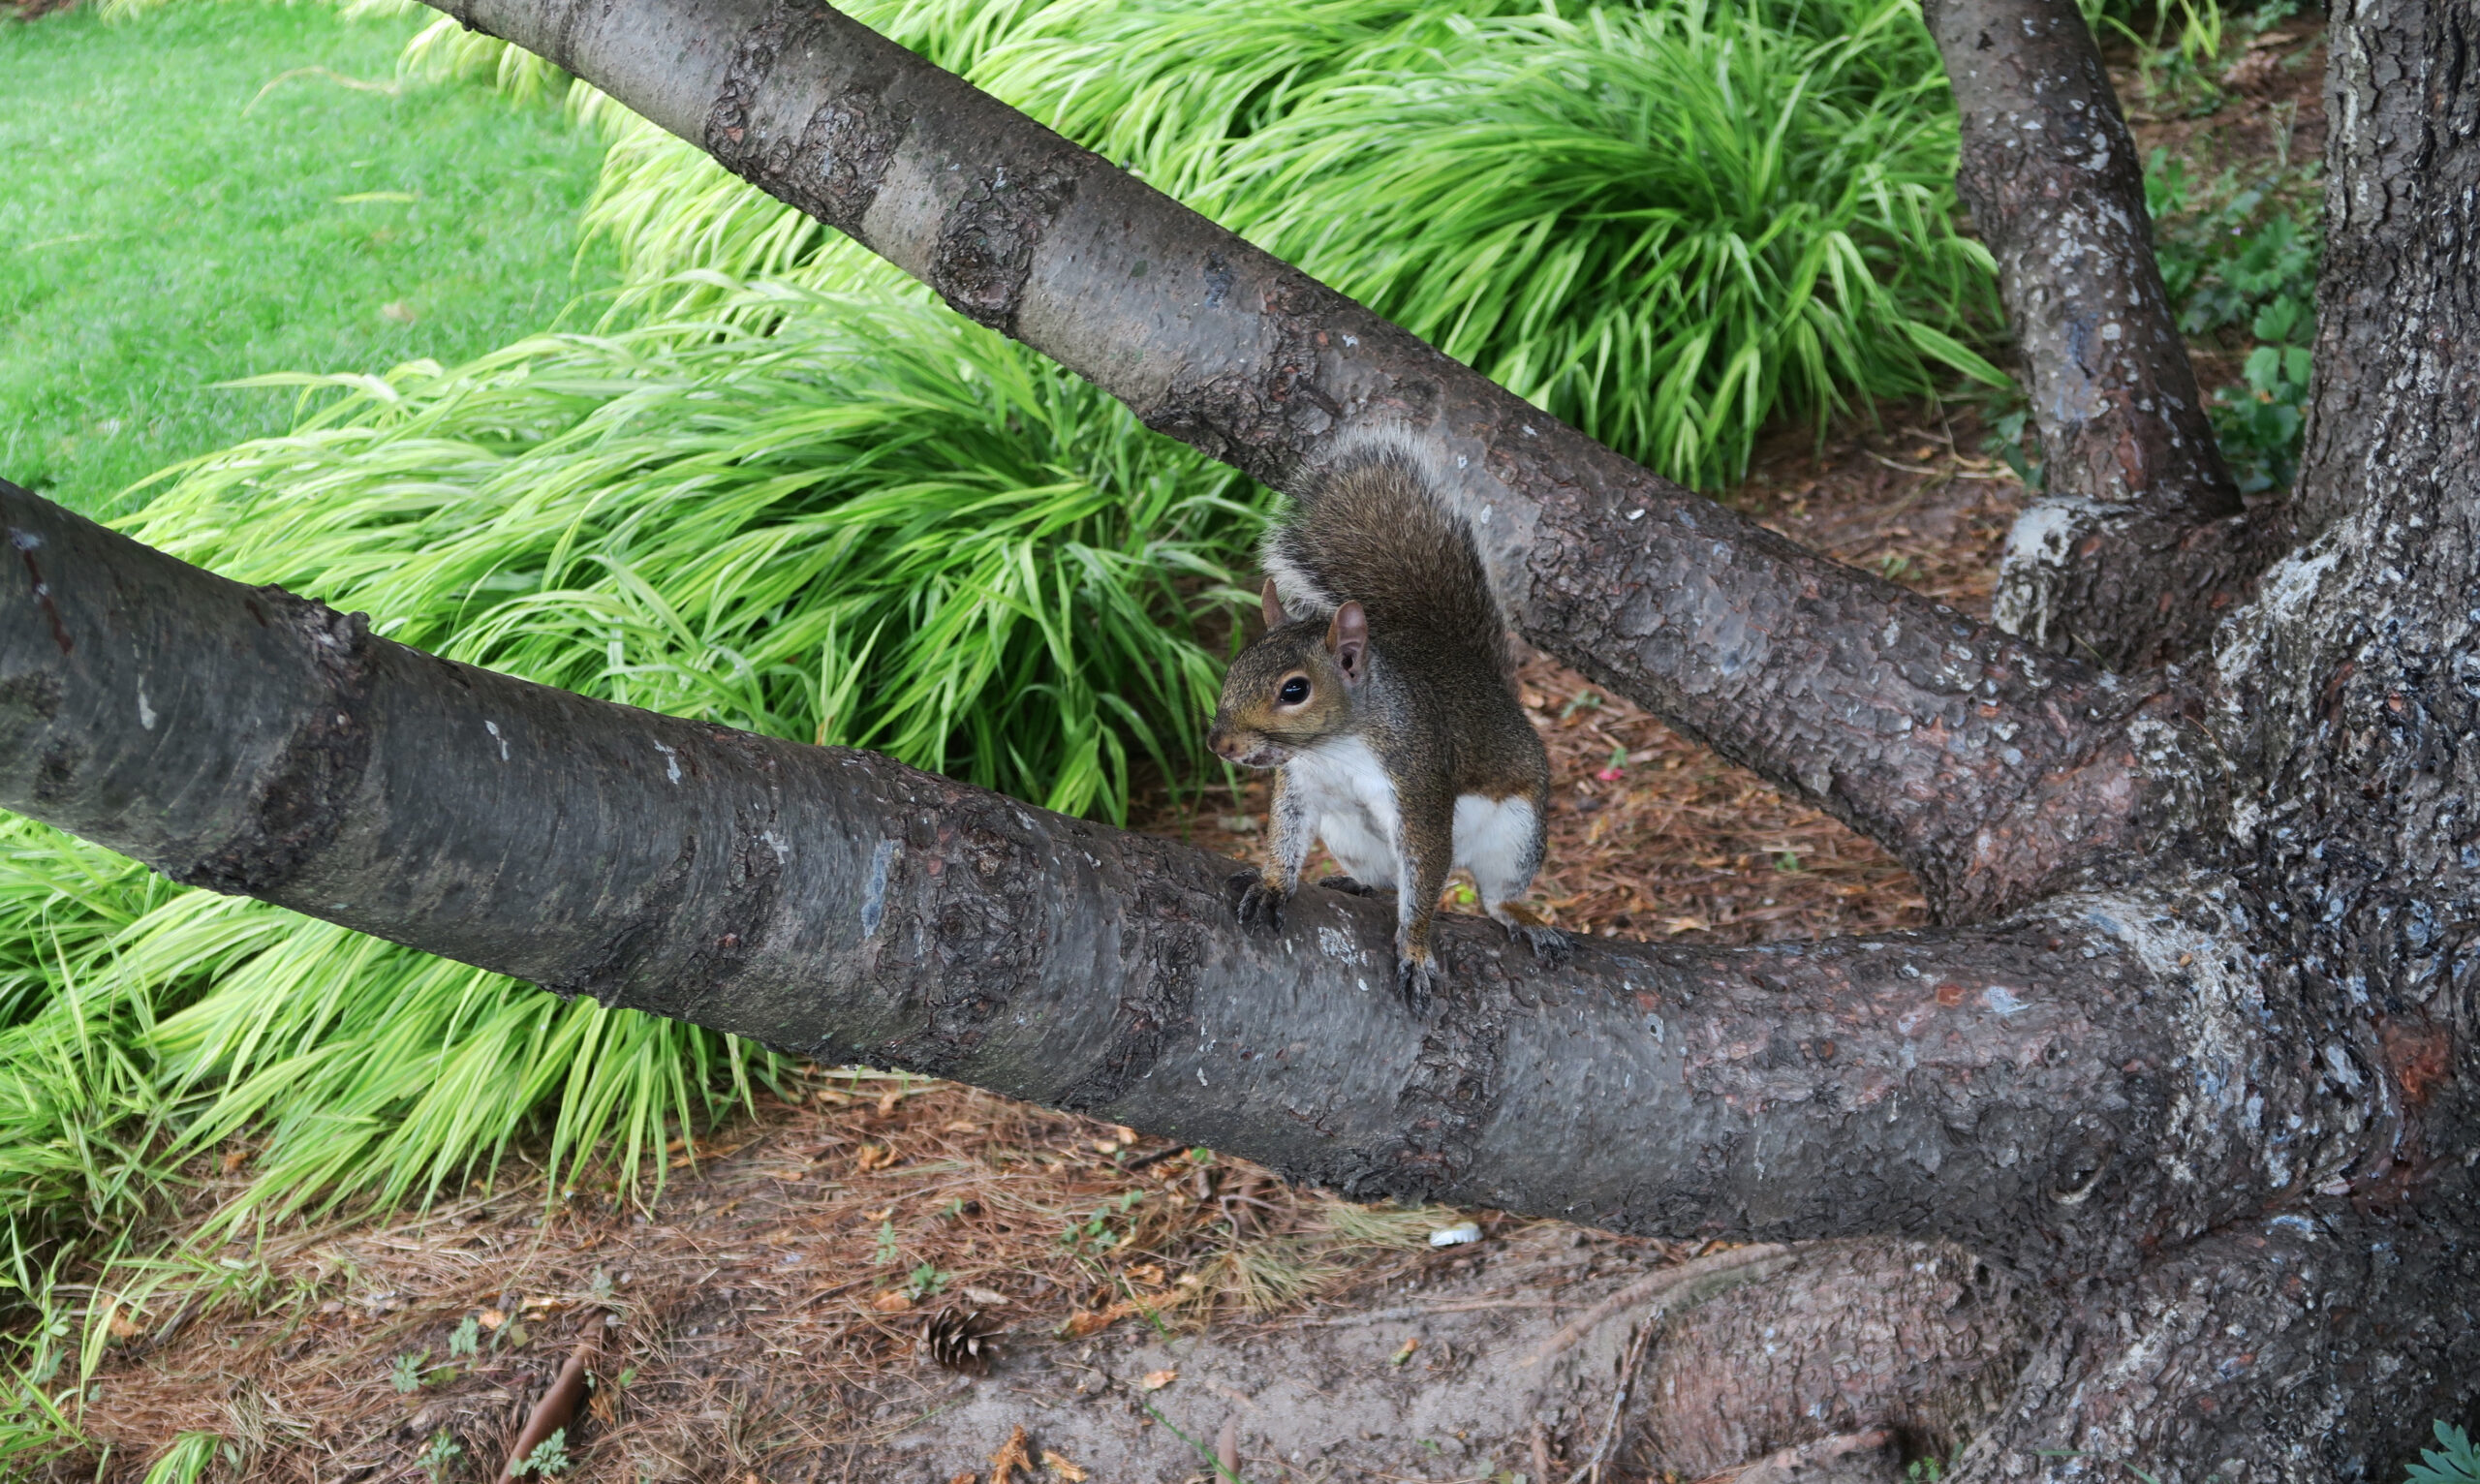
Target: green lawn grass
[{"x": 187, "y": 201}]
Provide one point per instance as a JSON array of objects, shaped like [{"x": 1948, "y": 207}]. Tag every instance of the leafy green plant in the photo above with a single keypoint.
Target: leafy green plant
[
  {"x": 1097, "y": 1233},
  {"x": 549, "y": 1457},
  {"x": 186, "y": 1461},
  {"x": 406, "y": 1374},
  {"x": 2239, "y": 263},
  {"x": 2454, "y": 1460},
  {"x": 872, "y": 524},
  {"x": 2177, "y": 55},
  {"x": 1666, "y": 225},
  {"x": 438, "y": 1457}
]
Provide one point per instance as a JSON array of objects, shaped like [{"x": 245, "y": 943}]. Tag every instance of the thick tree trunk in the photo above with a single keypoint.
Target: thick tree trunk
[
  {"x": 2198, "y": 1095},
  {"x": 2138, "y": 544}
]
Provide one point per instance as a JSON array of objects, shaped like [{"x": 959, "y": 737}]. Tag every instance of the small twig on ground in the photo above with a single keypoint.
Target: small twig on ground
[
  {"x": 1659, "y": 1284},
  {"x": 1148, "y": 1161},
  {"x": 557, "y": 1409},
  {"x": 1617, "y": 1402}
]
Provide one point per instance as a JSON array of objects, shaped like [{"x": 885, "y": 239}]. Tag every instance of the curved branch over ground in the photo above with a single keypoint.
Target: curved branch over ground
[
  {"x": 1990, "y": 768},
  {"x": 2070, "y": 1094},
  {"x": 1982, "y": 1084},
  {"x": 2139, "y": 542}
]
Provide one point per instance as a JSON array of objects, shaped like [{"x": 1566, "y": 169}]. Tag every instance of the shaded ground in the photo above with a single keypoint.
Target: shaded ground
[{"x": 1151, "y": 1309}]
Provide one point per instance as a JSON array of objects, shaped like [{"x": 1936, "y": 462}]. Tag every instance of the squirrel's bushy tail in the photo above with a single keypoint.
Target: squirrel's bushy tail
[{"x": 1375, "y": 531}]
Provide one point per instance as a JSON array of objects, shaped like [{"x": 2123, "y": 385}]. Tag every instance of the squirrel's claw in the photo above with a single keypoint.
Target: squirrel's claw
[
  {"x": 1550, "y": 947},
  {"x": 1259, "y": 905},
  {"x": 1417, "y": 980},
  {"x": 1349, "y": 887}
]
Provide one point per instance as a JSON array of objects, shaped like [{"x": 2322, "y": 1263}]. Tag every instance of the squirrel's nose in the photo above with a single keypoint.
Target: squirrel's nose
[{"x": 1219, "y": 740}]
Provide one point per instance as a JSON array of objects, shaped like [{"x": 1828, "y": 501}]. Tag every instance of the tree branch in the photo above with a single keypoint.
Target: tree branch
[
  {"x": 1988, "y": 767},
  {"x": 1978, "y": 1084},
  {"x": 2139, "y": 541}
]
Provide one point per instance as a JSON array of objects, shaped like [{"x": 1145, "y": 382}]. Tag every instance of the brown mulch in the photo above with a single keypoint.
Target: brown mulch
[{"x": 759, "y": 1321}]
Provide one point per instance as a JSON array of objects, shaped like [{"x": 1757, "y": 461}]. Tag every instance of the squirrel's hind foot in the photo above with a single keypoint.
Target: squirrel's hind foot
[
  {"x": 1258, "y": 904},
  {"x": 1550, "y": 947},
  {"x": 1349, "y": 887}
]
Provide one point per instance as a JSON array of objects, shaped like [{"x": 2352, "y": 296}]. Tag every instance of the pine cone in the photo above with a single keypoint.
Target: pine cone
[{"x": 958, "y": 1338}]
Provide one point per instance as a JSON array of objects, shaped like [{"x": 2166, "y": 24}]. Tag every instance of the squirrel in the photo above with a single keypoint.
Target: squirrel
[{"x": 1383, "y": 696}]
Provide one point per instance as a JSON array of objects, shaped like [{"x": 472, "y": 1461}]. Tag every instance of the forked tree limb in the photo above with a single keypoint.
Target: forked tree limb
[
  {"x": 2138, "y": 542},
  {"x": 2023, "y": 1088},
  {"x": 1991, "y": 768},
  {"x": 2194, "y": 1157}
]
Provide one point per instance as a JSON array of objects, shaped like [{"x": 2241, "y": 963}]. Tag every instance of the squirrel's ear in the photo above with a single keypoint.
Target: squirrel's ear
[
  {"x": 1347, "y": 641},
  {"x": 1272, "y": 605}
]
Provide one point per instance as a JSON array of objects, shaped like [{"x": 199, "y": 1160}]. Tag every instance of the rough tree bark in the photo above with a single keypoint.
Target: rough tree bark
[
  {"x": 2139, "y": 542},
  {"x": 2190, "y": 1070}
]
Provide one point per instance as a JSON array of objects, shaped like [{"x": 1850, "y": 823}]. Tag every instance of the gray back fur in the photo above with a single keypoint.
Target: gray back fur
[{"x": 1375, "y": 531}]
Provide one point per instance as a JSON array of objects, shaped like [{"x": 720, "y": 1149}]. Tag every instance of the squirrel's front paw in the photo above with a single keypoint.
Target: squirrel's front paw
[
  {"x": 1417, "y": 980},
  {"x": 1259, "y": 905}
]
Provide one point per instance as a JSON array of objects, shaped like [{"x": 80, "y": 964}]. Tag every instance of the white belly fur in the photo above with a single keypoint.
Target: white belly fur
[
  {"x": 1350, "y": 808},
  {"x": 1494, "y": 841},
  {"x": 1350, "y": 805}
]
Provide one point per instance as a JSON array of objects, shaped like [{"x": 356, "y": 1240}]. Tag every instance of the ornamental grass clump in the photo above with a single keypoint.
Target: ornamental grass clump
[
  {"x": 868, "y": 523},
  {"x": 1671, "y": 226}
]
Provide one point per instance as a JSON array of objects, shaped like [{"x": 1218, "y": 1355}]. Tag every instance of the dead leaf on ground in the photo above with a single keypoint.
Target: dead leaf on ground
[
  {"x": 893, "y": 1301},
  {"x": 1063, "y": 1467},
  {"x": 1014, "y": 1455},
  {"x": 1156, "y": 1380}
]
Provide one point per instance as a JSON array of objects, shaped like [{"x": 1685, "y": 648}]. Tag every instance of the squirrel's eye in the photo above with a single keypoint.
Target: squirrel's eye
[{"x": 1294, "y": 690}]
